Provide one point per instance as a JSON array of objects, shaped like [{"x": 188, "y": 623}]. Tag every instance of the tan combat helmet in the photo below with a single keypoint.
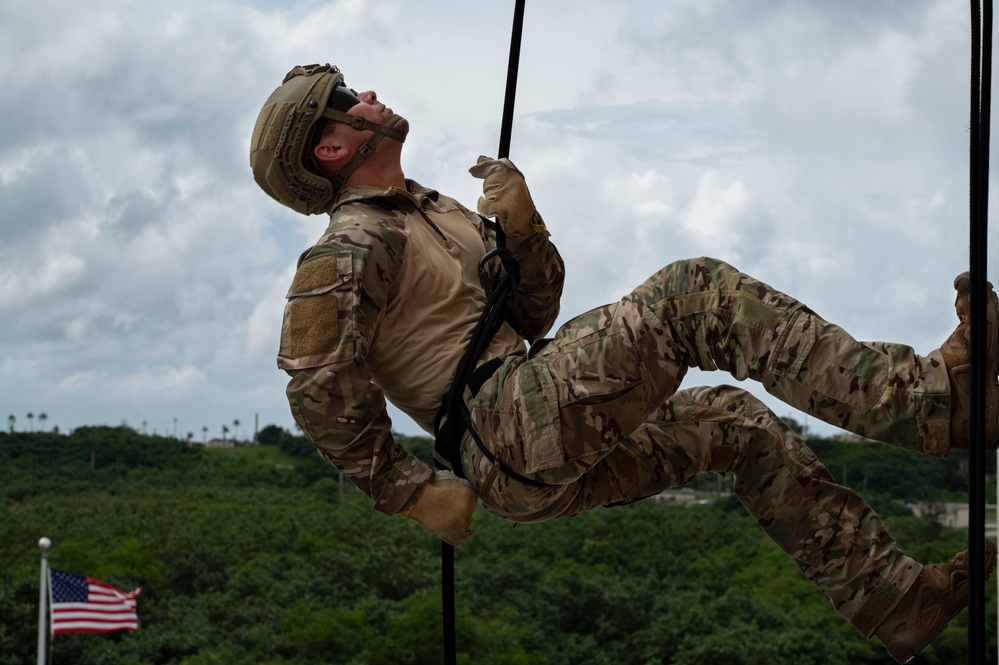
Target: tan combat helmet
[{"x": 285, "y": 133}]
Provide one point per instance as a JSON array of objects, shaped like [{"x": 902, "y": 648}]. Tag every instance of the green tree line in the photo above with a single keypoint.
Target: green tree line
[{"x": 254, "y": 554}]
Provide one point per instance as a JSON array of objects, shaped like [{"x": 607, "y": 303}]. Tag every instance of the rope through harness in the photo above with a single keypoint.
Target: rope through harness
[{"x": 466, "y": 367}]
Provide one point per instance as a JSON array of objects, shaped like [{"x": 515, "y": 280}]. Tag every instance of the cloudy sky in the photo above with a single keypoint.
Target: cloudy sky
[{"x": 819, "y": 146}]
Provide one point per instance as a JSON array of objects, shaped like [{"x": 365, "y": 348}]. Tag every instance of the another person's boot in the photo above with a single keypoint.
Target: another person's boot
[
  {"x": 956, "y": 352},
  {"x": 937, "y": 596}
]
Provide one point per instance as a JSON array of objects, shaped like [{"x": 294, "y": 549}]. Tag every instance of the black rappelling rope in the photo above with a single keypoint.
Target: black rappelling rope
[
  {"x": 981, "y": 76},
  {"x": 506, "y": 131},
  {"x": 513, "y": 67}
]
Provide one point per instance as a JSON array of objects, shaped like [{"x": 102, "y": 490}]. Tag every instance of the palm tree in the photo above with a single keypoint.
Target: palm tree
[
  {"x": 225, "y": 430},
  {"x": 235, "y": 426},
  {"x": 204, "y": 434},
  {"x": 31, "y": 418},
  {"x": 11, "y": 419},
  {"x": 42, "y": 417}
]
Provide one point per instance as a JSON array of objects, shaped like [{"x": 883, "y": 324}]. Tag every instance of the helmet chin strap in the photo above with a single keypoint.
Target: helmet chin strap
[{"x": 385, "y": 129}]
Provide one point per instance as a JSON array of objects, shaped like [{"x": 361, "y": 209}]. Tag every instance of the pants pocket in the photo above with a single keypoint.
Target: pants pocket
[
  {"x": 828, "y": 361},
  {"x": 538, "y": 413}
]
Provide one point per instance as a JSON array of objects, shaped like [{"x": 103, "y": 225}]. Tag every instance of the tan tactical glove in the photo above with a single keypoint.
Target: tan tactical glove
[
  {"x": 445, "y": 508},
  {"x": 505, "y": 196}
]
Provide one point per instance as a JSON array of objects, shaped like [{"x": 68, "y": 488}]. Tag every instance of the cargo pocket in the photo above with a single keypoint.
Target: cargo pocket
[
  {"x": 828, "y": 361},
  {"x": 601, "y": 383},
  {"x": 796, "y": 342},
  {"x": 541, "y": 431}
]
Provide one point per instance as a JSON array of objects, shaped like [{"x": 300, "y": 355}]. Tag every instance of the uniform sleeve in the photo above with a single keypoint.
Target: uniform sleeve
[
  {"x": 542, "y": 274},
  {"x": 339, "y": 291}
]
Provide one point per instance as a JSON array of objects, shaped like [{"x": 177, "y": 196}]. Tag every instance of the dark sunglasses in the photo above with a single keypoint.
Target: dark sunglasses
[{"x": 343, "y": 98}]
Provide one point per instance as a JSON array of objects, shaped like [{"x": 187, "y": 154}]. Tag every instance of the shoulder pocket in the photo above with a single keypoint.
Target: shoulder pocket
[{"x": 319, "y": 316}]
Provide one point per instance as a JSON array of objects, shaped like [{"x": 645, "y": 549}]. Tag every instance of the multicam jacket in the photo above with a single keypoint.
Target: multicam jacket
[{"x": 383, "y": 305}]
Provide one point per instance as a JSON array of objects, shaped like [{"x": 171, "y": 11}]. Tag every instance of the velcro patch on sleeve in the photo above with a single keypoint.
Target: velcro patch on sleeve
[
  {"x": 316, "y": 306},
  {"x": 315, "y": 274}
]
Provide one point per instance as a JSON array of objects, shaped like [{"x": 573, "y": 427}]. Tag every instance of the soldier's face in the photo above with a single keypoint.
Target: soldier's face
[{"x": 370, "y": 108}]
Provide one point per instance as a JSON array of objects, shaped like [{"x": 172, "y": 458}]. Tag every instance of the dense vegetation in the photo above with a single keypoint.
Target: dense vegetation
[{"x": 253, "y": 555}]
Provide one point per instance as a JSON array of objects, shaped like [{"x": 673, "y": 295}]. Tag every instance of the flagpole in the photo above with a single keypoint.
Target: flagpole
[{"x": 43, "y": 544}]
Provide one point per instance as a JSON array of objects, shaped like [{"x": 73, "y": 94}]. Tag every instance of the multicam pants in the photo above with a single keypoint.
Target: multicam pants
[{"x": 595, "y": 415}]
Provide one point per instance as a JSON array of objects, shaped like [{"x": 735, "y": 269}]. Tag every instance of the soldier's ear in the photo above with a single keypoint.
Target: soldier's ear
[{"x": 332, "y": 154}]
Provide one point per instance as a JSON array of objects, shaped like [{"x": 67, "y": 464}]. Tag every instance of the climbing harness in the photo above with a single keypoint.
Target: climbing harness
[
  {"x": 453, "y": 418},
  {"x": 981, "y": 75}
]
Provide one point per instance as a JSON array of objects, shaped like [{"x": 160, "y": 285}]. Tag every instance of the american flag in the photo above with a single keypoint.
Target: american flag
[{"x": 82, "y": 604}]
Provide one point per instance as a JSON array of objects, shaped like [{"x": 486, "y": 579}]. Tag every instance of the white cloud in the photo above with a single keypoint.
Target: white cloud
[
  {"x": 821, "y": 146},
  {"x": 713, "y": 215},
  {"x": 136, "y": 389},
  {"x": 264, "y": 325}
]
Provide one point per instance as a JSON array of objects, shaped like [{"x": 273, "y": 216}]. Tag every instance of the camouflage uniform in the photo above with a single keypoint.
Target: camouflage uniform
[
  {"x": 383, "y": 306},
  {"x": 594, "y": 415}
]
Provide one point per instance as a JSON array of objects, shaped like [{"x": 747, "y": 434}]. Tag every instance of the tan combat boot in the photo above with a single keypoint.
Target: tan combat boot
[
  {"x": 937, "y": 596},
  {"x": 956, "y": 352}
]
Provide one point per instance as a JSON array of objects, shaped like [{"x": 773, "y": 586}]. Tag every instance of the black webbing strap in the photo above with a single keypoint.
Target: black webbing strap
[
  {"x": 453, "y": 419},
  {"x": 981, "y": 75},
  {"x": 506, "y": 131}
]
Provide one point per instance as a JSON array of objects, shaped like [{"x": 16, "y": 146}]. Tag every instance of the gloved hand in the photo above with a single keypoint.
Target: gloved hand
[
  {"x": 505, "y": 196},
  {"x": 445, "y": 508}
]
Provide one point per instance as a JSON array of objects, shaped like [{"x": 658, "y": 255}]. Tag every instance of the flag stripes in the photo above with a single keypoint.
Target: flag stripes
[{"x": 83, "y": 604}]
